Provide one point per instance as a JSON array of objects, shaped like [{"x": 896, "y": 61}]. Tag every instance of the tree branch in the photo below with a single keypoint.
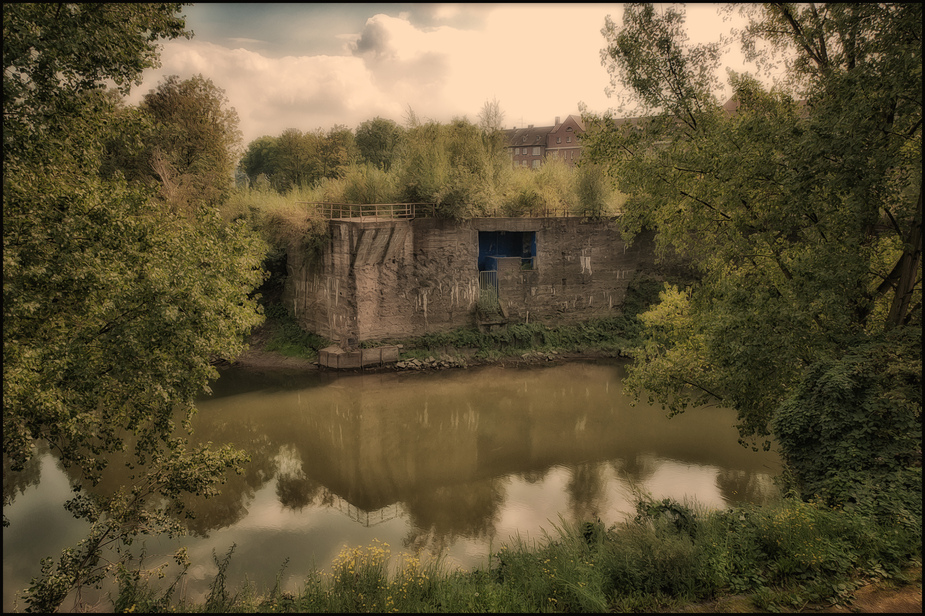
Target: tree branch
[{"x": 798, "y": 33}]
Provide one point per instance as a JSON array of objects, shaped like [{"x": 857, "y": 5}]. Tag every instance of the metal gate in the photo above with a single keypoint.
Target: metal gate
[{"x": 488, "y": 282}]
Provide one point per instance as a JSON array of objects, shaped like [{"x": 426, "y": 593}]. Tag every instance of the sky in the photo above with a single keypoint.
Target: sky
[{"x": 310, "y": 66}]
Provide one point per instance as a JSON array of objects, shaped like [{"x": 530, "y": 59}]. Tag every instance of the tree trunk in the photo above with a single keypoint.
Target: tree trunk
[{"x": 909, "y": 265}]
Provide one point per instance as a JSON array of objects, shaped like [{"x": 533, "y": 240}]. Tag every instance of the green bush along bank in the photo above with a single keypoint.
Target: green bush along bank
[{"x": 781, "y": 557}]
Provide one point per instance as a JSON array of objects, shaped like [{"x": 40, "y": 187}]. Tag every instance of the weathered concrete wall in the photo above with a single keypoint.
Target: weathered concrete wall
[
  {"x": 402, "y": 278},
  {"x": 581, "y": 270}
]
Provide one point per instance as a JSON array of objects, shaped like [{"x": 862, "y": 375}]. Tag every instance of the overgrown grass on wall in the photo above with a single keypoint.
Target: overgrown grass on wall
[{"x": 280, "y": 218}]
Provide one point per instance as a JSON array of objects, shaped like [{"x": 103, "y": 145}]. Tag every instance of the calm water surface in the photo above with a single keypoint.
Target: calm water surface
[{"x": 456, "y": 462}]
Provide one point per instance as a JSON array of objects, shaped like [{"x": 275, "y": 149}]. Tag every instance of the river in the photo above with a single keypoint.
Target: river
[{"x": 456, "y": 462}]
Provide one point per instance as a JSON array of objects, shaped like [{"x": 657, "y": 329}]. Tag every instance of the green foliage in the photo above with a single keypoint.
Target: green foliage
[
  {"x": 337, "y": 150},
  {"x": 648, "y": 56},
  {"x": 137, "y": 594},
  {"x": 681, "y": 517},
  {"x": 554, "y": 185},
  {"x": 784, "y": 555},
  {"x": 218, "y": 598},
  {"x": 259, "y": 159},
  {"x": 295, "y": 160},
  {"x": 195, "y": 142},
  {"x": 115, "y": 304},
  {"x": 807, "y": 232},
  {"x": 369, "y": 184},
  {"x": 46, "y": 64},
  {"x": 610, "y": 335},
  {"x": 288, "y": 338},
  {"x": 452, "y": 166},
  {"x": 595, "y": 196},
  {"x": 851, "y": 431},
  {"x": 462, "y": 168},
  {"x": 379, "y": 140},
  {"x": 284, "y": 221},
  {"x": 488, "y": 304}
]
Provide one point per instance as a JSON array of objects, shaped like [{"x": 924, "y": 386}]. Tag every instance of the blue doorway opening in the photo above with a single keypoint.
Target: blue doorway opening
[{"x": 495, "y": 244}]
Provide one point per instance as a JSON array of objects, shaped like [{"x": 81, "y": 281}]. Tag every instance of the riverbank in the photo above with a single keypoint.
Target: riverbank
[
  {"x": 775, "y": 580},
  {"x": 259, "y": 358},
  {"x": 788, "y": 556}
]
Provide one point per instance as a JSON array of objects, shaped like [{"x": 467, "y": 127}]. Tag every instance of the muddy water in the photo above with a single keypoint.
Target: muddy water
[{"x": 456, "y": 462}]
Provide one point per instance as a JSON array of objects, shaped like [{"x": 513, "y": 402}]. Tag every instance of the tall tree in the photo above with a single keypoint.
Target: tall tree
[
  {"x": 491, "y": 117},
  {"x": 802, "y": 208},
  {"x": 196, "y": 140},
  {"x": 298, "y": 161},
  {"x": 379, "y": 141},
  {"x": 113, "y": 307},
  {"x": 336, "y": 151},
  {"x": 260, "y": 158}
]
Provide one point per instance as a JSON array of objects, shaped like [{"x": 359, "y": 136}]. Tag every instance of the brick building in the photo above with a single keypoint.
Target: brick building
[{"x": 529, "y": 147}]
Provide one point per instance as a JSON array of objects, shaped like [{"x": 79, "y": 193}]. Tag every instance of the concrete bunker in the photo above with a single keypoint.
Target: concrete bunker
[{"x": 390, "y": 279}]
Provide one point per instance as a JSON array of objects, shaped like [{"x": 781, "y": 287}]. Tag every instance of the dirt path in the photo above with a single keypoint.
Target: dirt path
[
  {"x": 882, "y": 599},
  {"x": 879, "y": 598}
]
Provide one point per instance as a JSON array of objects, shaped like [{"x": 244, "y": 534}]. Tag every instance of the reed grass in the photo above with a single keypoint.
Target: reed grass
[{"x": 782, "y": 556}]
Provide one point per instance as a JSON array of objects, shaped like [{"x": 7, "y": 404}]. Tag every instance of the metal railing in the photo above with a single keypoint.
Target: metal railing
[
  {"x": 488, "y": 281},
  {"x": 417, "y": 210},
  {"x": 372, "y": 210},
  {"x": 366, "y": 518}
]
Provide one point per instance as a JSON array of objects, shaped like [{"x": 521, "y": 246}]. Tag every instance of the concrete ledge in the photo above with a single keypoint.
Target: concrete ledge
[{"x": 339, "y": 359}]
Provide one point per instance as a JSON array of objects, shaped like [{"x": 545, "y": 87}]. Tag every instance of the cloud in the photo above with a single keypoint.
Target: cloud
[
  {"x": 538, "y": 61},
  {"x": 245, "y": 41},
  {"x": 406, "y": 64},
  {"x": 440, "y": 71},
  {"x": 272, "y": 94}
]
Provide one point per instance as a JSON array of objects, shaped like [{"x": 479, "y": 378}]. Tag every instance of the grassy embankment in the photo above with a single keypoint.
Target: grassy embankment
[{"x": 785, "y": 556}]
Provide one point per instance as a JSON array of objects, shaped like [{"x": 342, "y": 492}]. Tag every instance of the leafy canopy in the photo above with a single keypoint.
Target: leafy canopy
[
  {"x": 195, "y": 143},
  {"x": 115, "y": 303},
  {"x": 800, "y": 204}
]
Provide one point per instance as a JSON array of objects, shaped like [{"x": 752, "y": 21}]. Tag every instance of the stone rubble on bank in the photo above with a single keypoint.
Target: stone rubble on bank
[
  {"x": 540, "y": 356},
  {"x": 431, "y": 363}
]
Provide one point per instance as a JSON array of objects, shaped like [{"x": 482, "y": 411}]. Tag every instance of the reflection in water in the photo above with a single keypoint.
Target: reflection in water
[
  {"x": 442, "y": 516},
  {"x": 587, "y": 491},
  {"x": 447, "y": 462},
  {"x": 18, "y": 482}
]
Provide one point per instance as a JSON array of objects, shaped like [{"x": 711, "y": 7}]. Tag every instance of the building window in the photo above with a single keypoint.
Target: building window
[
  {"x": 524, "y": 139},
  {"x": 536, "y": 164},
  {"x": 558, "y": 139},
  {"x": 568, "y": 139},
  {"x": 536, "y": 151}
]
